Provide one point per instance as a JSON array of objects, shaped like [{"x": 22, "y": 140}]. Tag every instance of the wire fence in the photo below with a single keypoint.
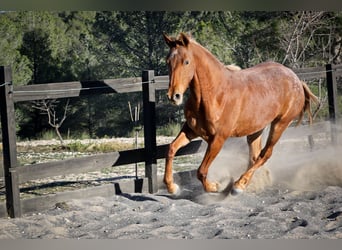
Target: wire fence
[{"x": 54, "y": 91}]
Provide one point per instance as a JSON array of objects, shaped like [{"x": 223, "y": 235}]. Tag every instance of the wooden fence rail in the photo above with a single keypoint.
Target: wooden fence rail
[{"x": 15, "y": 175}]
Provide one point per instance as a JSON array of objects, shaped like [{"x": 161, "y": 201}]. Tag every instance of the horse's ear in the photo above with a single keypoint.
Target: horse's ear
[
  {"x": 185, "y": 39},
  {"x": 169, "y": 41}
]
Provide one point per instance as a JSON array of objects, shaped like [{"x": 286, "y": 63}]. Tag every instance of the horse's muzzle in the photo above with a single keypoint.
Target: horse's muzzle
[{"x": 176, "y": 98}]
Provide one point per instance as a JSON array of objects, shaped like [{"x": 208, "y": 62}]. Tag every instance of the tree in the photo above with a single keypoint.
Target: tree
[
  {"x": 10, "y": 42},
  {"x": 309, "y": 38},
  {"x": 298, "y": 36},
  {"x": 48, "y": 107},
  {"x": 134, "y": 40},
  {"x": 50, "y": 46},
  {"x": 255, "y": 37}
]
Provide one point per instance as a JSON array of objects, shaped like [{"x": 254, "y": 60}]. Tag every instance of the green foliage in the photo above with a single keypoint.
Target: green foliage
[
  {"x": 170, "y": 129},
  {"x": 50, "y": 46},
  {"x": 10, "y": 42},
  {"x": 48, "y": 135}
]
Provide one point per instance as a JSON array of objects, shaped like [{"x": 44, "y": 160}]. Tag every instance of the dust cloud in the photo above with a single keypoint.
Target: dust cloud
[{"x": 294, "y": 164}]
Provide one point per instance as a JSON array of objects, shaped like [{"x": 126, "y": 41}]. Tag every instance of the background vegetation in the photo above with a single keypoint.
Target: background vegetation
[{"x": 46, "y": 46}]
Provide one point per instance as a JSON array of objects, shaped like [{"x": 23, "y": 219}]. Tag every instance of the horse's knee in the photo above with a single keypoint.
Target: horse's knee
[{"x": 171, "y": 152}]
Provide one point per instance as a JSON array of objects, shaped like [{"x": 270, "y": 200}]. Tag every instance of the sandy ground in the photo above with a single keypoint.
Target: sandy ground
[
  {"x": 298, "y": 194},
  {"x": 271, "y": 214}
]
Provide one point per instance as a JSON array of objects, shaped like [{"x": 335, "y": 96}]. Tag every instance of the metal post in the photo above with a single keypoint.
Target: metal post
[
  {"x": 332, "y": 101},
  {"x": 9, "y": 143},
  {"x": 149, "y": 113}
]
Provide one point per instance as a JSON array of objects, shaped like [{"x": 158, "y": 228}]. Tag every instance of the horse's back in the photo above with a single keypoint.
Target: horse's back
[
  {"x": 271, "y": 70},
  {"x": 265, "y": 92},
  {"x": 269, "y": 76}
]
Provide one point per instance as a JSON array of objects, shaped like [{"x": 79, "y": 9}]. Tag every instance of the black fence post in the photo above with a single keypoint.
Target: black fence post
[
  {"x": 149, "y": 113},
  {"x": 332, "y": 101},
  {"x": 9, "y": 143}
]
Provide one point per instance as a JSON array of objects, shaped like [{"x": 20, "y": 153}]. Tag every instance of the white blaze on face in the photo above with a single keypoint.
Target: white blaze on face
[
  {"x": 175, "y": 97},
  {"x": 173, "y": 53}
]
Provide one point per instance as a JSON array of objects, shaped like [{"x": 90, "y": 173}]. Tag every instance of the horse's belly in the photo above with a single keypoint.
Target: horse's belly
[
  {"x": 256, "y": 116},
  {"x": 253, "y": 120},
  {"x": 244, "y": 130}
]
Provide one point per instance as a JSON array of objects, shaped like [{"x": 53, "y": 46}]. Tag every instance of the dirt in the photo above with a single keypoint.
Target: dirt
[{"x": 296, "y": 195}]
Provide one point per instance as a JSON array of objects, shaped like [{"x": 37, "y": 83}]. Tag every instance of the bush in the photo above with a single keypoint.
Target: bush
[
  {"x": 171, "y": 129},
  {"x": 48, "y": 135}
]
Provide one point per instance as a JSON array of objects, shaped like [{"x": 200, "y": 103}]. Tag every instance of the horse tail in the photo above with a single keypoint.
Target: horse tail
[{"x": 309, "y": 98}]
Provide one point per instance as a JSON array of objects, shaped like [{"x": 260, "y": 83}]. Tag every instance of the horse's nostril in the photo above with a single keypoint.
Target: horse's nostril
[{"x": 177, "y": 96}]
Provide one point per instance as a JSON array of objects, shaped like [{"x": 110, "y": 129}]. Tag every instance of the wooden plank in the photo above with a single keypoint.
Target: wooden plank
[
  {"x": 3, "y": 210},
  {"x": 68, "y": 166},
  {"x": 338, "y": 68},
  {"x": 76, "y": 88},
  {"x": 40, "y": 203},
  {"x": 161, "y": 82},
  {"x": 125, "y": 85},
  {"x": 194, "y": 147},
  {"x": 120, "y": 187},
  {"x": 332, "y": 101},
  {"x": 332, "y": 93},
  {"x": 149, "y": 116},
  {"x": 311, "y": 73},
  {"x": 9, "y": 142},
  {"x": 96, "y": 162},
  {"x": 121, "y": 85},
  {"x": 306, "y": 130},
  {"x": 79, "y": 164}
]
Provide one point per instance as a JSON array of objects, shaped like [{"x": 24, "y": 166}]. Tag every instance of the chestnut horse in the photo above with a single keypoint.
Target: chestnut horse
[{"x": 226, "y": 102}]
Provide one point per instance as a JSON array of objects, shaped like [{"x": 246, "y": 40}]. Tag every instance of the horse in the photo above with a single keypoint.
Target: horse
[{"x": 230, "y": 102}]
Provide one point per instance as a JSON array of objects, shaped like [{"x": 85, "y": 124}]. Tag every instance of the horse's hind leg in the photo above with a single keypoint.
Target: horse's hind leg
[
  {"x": 254, "y": 144},
  {"x": 183, "y": 138},
  {"x": 276, "y": 130}
]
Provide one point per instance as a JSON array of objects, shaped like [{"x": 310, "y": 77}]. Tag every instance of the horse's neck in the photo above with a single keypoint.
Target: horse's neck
[
  {"x": 210, "y": 74},
  {"x": 206, "y": 87}
]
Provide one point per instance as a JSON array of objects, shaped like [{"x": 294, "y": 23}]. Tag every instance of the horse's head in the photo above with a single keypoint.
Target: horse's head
[{"x": 181, "y": 67}]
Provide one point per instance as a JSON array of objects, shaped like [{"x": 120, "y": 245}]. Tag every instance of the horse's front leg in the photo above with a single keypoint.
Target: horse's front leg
[
  {"x": 214, "y": 147},
  {"x": 183, "y": 138}
]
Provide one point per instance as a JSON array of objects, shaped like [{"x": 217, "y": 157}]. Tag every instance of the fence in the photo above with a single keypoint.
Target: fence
[
  {"x": 331, "y": 73},
  {"x": 15, "y": 175}
]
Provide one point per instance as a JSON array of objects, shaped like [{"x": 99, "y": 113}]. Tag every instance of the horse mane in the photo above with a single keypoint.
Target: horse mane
[{"x": 232, "y": 67}]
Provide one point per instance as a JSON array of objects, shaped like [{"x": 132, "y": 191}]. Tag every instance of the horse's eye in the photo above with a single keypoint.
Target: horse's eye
[{"x": 186, "y": 62}]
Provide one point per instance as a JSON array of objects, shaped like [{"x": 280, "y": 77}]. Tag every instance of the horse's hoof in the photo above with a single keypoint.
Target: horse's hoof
[
  {"x": 175, "y": 190},
  {"x": 236, "y": 191},
  {"x": 212, "y": 187}
]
